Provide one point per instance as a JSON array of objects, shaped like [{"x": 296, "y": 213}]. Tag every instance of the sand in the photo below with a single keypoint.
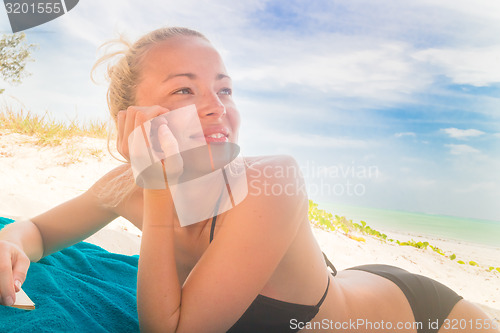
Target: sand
[{"x": 34, "y": 179}]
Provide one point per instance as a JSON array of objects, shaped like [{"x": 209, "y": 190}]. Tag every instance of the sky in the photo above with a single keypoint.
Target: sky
[{"x": 387, "y": 104}]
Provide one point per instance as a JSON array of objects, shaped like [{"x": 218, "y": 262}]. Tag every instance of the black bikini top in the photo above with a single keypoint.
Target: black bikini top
[{"x": 267, "y": 314}]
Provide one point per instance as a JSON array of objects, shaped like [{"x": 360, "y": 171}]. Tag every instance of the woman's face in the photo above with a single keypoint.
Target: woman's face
[{"x": 188, "y": 70}]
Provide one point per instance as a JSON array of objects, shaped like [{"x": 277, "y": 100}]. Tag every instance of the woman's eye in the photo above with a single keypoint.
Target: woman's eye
[
  {"x": 183, "y": 91},
  {"x": 226, "y": 91}
]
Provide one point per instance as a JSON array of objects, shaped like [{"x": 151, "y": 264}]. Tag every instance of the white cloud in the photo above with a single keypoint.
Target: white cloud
[
  {"x": 316, "y": 141},
  {"x": 462, "y": 134},
  {"x": 399, "y": 135},
  {"x": 98, "y": 21},
  {"x": 480, "y": 9},
  {"x": 461, "y": 149},
  {"x": 420, "y": 182},
  {"x": 328, "y": 63},
  {"x": 475, "y": 66},
  {"x": 484, "y": 186}
]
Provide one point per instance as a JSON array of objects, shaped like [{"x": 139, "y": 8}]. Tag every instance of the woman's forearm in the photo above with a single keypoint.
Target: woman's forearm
[
  {"x": 26, "y": 235},
  {"x": 158, "y": 287}
]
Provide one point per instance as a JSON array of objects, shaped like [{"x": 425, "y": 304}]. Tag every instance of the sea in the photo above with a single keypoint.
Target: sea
[{"x": 475, "y": 231}]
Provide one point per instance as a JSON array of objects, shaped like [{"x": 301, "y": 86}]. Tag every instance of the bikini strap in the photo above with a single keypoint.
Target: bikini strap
[
  {"x": 212, "y": 228},
  {"x": 324, "y": 294},
  {"x": 329, "y": 264},
  {"x": 214, "y": 219}
]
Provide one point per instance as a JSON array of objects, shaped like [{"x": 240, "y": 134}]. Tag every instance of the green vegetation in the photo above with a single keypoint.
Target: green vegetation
[
  {"x": 411, "y": 242},
  {"x": 330, "y": 222},
  {"x": 48, "y": 131},
  {"x": 437, "y": 250},
  {"x": 14, "y": 54}
]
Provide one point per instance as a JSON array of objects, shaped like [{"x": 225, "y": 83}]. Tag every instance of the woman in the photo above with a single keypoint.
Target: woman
[{"x": 253, "y": 268}]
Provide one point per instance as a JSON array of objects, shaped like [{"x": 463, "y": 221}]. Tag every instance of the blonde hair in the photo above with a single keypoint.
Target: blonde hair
[{"x": 124, "y": 73}]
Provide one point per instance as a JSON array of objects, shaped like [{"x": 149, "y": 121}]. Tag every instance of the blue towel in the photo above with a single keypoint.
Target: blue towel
[{"x": 82, "y": 288}]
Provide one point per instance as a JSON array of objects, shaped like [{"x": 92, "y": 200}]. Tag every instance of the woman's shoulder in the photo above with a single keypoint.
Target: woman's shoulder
[
  {"x": 277, "y": 175},
  {"x": 275, "y": 184},
  {"x": 274, "y": 168}
]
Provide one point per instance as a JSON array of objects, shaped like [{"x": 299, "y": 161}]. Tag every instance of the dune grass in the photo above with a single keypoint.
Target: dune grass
[{"x": 47, "y": 130}]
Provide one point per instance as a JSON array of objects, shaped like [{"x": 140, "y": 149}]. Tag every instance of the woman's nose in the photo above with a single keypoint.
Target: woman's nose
[{"x": 211, "y": 106}]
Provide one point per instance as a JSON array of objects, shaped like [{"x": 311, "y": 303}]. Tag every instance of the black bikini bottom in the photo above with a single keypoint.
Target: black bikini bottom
[{"x": 430, "y": 301}]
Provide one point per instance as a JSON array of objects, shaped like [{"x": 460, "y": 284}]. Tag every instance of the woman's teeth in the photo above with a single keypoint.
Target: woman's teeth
[{"x": 216, "y": 135}]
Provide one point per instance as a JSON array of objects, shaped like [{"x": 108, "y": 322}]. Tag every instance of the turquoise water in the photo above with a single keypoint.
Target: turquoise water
[{"x": 448, "y": 227}]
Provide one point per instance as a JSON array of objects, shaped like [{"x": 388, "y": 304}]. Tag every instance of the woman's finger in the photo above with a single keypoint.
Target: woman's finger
[
  {"x": 128, "y": 127},
  {"x": 133, "y": 117},
  {"x": 167, "y": 141},
  {"x": 20, "y": 266},
  {"x": 144, "y": 114},
  {"x": 7, "y": 292},
  {"x": 172, "y": 164}
]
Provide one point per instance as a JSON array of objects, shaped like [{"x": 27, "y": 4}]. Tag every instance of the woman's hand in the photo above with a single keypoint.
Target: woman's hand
[
  {"x": 131, "y": 118},
  {"x": 159, "y": 141},
  {"x": 14, "y": 264},
  {"x": 173, "y": 164}
]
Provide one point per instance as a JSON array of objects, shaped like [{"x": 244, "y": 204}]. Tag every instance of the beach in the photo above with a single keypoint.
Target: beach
[{"x": 36, "y": 178}]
